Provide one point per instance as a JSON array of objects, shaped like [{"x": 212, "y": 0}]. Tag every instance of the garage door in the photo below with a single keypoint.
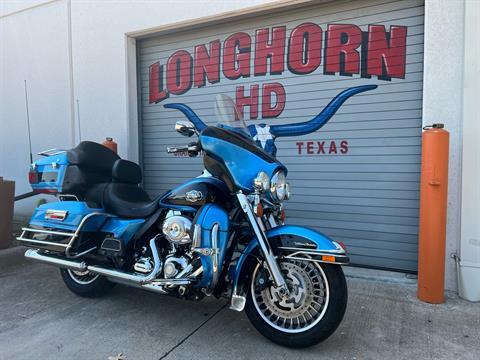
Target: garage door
[{"x": 357, "y": 178}]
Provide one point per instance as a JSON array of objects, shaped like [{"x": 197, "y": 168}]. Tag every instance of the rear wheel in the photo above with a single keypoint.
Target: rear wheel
[
  {"x": 309, "y": 314},
  {"x": 86, "y": 284}
]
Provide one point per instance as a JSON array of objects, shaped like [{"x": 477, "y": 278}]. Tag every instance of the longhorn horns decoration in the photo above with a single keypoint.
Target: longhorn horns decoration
[{"x": 295, "y": 129}]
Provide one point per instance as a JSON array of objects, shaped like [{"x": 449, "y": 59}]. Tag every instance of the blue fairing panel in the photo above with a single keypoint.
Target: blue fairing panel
[
  {"x": 208, "y": 216},
  {"x": 322, "y": 242}
]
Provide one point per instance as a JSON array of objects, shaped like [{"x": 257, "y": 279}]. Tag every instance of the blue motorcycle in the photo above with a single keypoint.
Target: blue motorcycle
[{"x": 221, "y": 234}]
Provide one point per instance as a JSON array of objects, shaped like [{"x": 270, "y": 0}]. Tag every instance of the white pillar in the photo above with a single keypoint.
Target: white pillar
[
  {"x": 442, "y": 103},
  {"x": 469, "y": 270}
]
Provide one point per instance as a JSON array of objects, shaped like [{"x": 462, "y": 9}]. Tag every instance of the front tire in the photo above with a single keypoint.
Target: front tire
[
  {"x": 85, "y": 283},
  {"x": 312, "y": 312}
]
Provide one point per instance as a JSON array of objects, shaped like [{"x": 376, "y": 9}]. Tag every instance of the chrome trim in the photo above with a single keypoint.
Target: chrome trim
[
  {"x": 272, "y": 264},
  {"x": 147, "y": 282},
  {"x": 42, "y": 242},
  {"x": 139, "y": 279},
  {"x": 83, "y": 253},
  {"x": 238, "y": 302},
  {"x": 49, "y": 232},
  {"x": 272, "y": 221},
  {"x": 51, "y": 152},
  {"x": 52, "y": 214},
  {"x": 177, "y": 229},
  {"x": 196, "y": 273},
  {"x": 215, "y": 255},
  {"x": 197, "y": 236},
  {"x": 77, "y": 232},
  {"x": 313, "y": 251},
  {"x": 72, "y": 235},
  {"x": 302, "y": 254},
  {"x": 62, "y": 197},
  {"x": 53, "y": 260}
]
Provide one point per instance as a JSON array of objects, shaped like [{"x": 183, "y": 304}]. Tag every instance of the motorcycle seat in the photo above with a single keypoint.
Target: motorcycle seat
[{"x": 122, "y": 199}]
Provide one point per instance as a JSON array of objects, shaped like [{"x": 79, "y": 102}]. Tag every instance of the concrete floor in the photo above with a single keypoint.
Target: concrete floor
[{"x": 41, "y": 319}]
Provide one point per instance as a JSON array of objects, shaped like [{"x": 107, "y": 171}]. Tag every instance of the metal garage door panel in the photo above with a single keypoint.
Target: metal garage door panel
[{"x": 366, "y": 195}]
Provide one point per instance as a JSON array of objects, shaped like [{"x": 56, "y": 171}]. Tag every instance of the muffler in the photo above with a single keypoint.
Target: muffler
[{"x": 55, "y": 260}]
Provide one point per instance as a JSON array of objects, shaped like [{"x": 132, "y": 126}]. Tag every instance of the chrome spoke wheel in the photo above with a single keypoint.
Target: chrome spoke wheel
[
  {"x": 306, "y": 304},
  {"x": 82, "y": 277}
]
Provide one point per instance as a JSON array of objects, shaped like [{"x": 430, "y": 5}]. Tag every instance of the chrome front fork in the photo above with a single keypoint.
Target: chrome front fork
[{"x": 259, "y": 230}]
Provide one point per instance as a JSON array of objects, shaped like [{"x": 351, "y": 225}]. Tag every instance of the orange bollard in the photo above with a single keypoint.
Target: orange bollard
[
  {"x": 109, "y": 143},
  {"x": 433, "y": 214}
]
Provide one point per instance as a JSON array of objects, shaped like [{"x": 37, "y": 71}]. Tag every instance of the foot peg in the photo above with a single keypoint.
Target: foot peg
[{"x": 238, "y": 303}]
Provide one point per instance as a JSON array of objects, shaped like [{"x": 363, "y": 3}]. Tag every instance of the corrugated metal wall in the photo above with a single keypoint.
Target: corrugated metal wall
[{"x": 366, "y": 195}]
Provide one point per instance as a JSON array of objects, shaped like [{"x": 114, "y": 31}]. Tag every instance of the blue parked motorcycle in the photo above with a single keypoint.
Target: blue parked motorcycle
[{"x": 220, "y": 234}]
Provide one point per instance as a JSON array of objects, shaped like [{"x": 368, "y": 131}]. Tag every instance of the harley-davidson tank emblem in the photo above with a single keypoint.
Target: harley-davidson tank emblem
[{"x": 194, "y": 196}]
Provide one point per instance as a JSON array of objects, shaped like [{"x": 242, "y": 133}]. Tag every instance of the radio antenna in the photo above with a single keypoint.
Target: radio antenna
[
  {"x": 79, "y": 124},
  {"x": 28, "y": 123}
]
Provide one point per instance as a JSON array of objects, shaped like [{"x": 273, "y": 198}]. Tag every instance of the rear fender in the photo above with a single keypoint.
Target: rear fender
[{"x": 293, "y": 242}]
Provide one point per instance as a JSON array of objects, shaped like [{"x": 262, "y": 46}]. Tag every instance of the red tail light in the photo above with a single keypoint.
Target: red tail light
[
  {"x": 46, "y": 191},
  {"x": 33, "y": 177},
  {"x": 344, "y": 247}
]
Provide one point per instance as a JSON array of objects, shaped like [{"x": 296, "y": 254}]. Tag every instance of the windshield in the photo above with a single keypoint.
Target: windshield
[{"x": 228, "y": 115}]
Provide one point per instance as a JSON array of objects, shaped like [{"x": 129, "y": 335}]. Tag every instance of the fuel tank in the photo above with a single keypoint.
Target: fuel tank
[{"x": 198, "y": 192}]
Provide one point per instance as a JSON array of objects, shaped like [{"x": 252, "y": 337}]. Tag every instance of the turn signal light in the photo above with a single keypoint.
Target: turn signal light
[
  {"x": 328, "y": 258},
  {"x": 259, "y": 209}
]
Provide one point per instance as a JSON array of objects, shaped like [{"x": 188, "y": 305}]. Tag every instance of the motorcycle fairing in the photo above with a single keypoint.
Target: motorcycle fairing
[
  {"x": 293, "y": 239},
  {"x": 214, "y": 225},
  {"x": 236, "y": 159}
]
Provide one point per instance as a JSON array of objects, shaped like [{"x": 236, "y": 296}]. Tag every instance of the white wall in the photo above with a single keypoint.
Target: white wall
[
  {"x": 34, "y": 47},
  {"x": 470, "y": 232},
  {"x": 99, "y": 54},
  {"x": 442, "y": 103}
]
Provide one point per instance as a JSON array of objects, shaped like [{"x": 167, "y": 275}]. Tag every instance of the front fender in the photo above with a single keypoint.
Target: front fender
[{"x": 295, "y": 240}]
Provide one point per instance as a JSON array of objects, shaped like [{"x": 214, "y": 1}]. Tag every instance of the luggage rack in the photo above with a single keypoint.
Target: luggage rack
[{"x": 28, "y": 235}]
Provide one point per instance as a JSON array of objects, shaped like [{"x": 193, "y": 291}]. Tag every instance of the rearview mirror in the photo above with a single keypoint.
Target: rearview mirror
[{"x": 185, "y": 128}]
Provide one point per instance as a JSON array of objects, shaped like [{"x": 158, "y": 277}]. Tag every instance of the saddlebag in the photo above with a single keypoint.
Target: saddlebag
[{"x": 69, "y": 227}]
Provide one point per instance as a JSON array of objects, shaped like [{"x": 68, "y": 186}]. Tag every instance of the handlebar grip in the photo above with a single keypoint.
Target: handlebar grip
[{"x": 175, "y": 149}]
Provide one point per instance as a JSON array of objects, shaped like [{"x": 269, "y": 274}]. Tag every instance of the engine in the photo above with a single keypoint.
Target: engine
[
  {"x": 176, "y": 250},
  {"x": 190, "y": 248}
]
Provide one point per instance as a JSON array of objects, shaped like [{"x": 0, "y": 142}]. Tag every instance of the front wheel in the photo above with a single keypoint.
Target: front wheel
[{"x": 312, "y": 311}]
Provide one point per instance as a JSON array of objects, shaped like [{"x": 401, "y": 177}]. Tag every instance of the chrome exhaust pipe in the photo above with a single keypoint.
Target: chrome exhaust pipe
[
  {"x": 55, "y": 260},
  {"x": 147, "y": 282},
  {"x": 129, "y": 277}
]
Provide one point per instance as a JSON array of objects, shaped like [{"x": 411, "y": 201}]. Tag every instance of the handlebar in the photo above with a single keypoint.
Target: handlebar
[{"x": 192, "y": 149}]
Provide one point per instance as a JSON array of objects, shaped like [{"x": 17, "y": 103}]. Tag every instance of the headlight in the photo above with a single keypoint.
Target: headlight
[
  {"x": 262, "y": 181},
  {"x": 279, "y": 188}
]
